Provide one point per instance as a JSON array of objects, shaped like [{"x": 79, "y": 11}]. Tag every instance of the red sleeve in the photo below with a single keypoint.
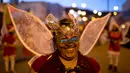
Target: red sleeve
[
  {"x": 95, "y": 65},
  {"x": 38, "y": 63}
]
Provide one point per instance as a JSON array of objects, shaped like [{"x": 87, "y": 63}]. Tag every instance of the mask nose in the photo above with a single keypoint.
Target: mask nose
[{"x": 72, "y": 45}]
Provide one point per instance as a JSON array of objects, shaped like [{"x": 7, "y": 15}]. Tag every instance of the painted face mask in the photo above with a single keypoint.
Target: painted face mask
[
  {"x": 71, "y": 40},
  {"x": 67, "y": 39}
]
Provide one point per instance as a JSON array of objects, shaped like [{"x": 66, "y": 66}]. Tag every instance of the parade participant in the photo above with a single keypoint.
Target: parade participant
[
  {"x": 9, "y": 48},
  {"x": 114, "y": 47},
  {"x": 67, "y": 58},
  {"x": 59, "y": 49}
]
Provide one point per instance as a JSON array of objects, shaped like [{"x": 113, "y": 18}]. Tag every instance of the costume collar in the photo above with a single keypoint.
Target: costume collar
[{"x": 82, "y": 63}]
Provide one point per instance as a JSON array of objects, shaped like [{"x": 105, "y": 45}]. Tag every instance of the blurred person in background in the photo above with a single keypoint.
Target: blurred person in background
[
  {"x": 9, "y": 48},
  {"x": 114, "y": 48}
]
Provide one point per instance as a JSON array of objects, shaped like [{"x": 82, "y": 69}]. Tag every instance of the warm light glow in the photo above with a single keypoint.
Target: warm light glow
[
  {"x": 79, "y": 12},
  {"x": 71, "y": 11},
  {"x": 84, "y": 18},
  {"x": 115, "y": 13},
  {"x": 99, "y": 13},
  {"x": 74, "y": 5},
  {"x": 79, "y": 18},
  {"x": 123, "y": 26},
  {"x": 51, "y": 22},
  {"x": 95, "y": 11},
  {"x": 93, "y": 18},
  {"x": 81, "y": 27},
  {"x": 67, "y": 28},
  {"x": 83, "y": 13},
  {"x": 83, "y": 5},
  {"x": 115, "y": 8}
]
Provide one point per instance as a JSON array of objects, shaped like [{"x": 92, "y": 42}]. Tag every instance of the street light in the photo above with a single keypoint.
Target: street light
[
  {"x": 79, "y": 12},
  {"x": 115, "y": 8},
  {"x": 71, "y": 11},
  {"x": 83, "y": 5},
  {"x": 95, "y": 11},
  {"x": 83, "y": 13},
  {"x": 84, "y": 18},
  {"x": 123, "y": 26},
  {"x": 74, "y": 5},
  {"x": 99, "y": 13},
  {"x": 115, "y": 13}
]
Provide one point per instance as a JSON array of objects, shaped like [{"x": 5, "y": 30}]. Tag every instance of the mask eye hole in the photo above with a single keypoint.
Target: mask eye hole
[
  {"x": 74, "y": 39},
  {"x": 63, "y": 40}
]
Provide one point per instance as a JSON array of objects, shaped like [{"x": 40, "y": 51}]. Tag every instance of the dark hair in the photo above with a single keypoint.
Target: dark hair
[{"x": 115, "y": 29}]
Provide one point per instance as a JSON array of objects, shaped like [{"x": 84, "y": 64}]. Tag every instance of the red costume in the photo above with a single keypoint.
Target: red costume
[
  {"x": 114, "y": 48},
  {"x": 54, "y": 65},
  {"x": 9, "y": 40},
  {"x": 115, "y": 37}
]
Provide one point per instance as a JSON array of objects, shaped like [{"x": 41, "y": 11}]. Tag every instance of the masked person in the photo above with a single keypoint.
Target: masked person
[
  {"x": 59, "y": 51},
  {"x": 66, "y": 58},
  {"x": 114, "y": 47},
  {"x": 9, "y": 48}
]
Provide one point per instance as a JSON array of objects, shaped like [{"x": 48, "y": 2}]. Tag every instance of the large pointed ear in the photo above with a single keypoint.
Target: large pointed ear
[
  {"x": 124, "y": 32},
  {"x": 113, "y": 23},
  {"x": 76, "y": 26},
  {"x": 31, "y": 31},
  {"x": 52, "y": 22},
  {"x": 72, "y": 18},
  {"x": 91, "y": 34}
]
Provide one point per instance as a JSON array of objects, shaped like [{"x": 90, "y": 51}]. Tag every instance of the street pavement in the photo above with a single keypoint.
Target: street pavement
[{"x": 99, "y": 52}]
